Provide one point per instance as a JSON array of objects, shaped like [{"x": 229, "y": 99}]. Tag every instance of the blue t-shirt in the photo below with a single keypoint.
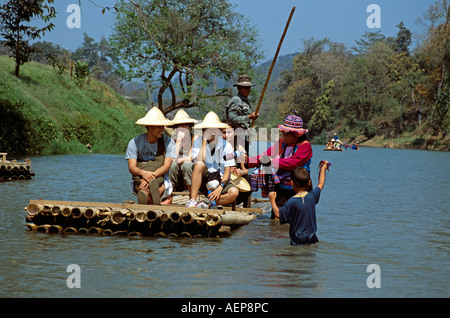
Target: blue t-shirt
[
  {"x": 139, "y": 148},
  {"x": 300, "y": 213}
]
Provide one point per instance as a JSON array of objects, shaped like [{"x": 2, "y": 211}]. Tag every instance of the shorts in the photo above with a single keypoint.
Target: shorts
[{"x": 168, "y": 188}]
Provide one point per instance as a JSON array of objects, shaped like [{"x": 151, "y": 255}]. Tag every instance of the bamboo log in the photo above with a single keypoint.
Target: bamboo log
[
  {"x": 56, "y": 210},
  {"x": 212, "y": 220},
  {"x": 164, "y": 216},
  {"x": 139, "y": 206},
  {"x": 95, "y": 230},
  {"x": 77, "y": 212},
  {"x": 44, "y": 228},
  {"x": 66, "y": 211},
  {"x": 188, "y": 217},
  {"x": 70, "y": 230},
  {"x": 118, "y": 217},
  {"x": 235, "y": 218},
  {"x": 34, "y": 209},
  {"x": 153, "y": 215},
  {"x": 56, "y": 229},
  {"x": 32, "y": 227},
  {"x": 175, "y": 216},
  {"x": 90, "y": 213}
]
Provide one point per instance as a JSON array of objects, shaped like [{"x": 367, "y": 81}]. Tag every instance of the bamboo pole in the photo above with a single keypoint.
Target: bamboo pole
[{"x": 272, "y": 65}]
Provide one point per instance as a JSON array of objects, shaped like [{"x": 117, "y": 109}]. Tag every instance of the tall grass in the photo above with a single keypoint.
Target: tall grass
[{"x": 44, "y": 112}]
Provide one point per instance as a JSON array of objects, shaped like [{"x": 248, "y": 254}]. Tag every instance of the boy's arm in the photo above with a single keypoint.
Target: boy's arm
[
  {"x": 323, "y": 167},
  {"x": 276, "y": 211}
]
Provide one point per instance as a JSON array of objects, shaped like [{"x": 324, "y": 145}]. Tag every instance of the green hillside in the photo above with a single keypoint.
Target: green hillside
[{"x": 45, "y": 112}]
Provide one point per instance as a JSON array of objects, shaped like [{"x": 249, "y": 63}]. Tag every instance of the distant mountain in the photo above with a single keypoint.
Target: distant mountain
[{"x": 283, "y": 63}]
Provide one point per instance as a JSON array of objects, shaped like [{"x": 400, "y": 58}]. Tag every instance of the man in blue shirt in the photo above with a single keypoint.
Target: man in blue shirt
[
  {"x": 149, "y": 158},
  {"x": 300, "y": 210}
]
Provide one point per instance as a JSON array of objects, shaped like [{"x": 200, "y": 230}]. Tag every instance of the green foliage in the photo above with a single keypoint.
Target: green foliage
[
  {"x": 178, "y": 46},
  {"x": 14, "y": 16},
  {"x": 321, "y": 120},
  {"x": 380, "y": 87},
  {"x": 81, "y": 73},
  {"x": 44, "y": 112}
]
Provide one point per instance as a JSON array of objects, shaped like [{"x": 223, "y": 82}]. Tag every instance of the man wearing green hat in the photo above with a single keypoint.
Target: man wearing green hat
[{"x": 239, "y": 112}]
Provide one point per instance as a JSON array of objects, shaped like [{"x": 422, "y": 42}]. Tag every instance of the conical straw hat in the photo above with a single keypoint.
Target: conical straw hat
[
  {"x": 182, "y": 117},
  {"x": 240, "y": 182},
  {"x": 154, "y": 117},
  {"x": 211, "y": 120}
]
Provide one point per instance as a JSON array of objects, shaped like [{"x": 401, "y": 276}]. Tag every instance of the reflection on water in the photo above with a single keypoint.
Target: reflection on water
[{"x": 379, "y": 206}]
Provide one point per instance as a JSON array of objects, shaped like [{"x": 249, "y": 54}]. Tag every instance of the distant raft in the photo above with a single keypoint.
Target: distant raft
[
  {"x": 68, "y": 217},
  {"x": 332, "y": 149},
  {"x": 13, "y": 170}
]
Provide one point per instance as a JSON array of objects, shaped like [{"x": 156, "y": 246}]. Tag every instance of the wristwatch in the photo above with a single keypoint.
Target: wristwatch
[{"x": 223, "y": 185}]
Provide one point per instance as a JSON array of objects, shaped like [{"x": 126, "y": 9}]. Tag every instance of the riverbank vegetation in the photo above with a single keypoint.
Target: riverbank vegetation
[
  {"x": 379, "y": 92},
  {"x": 47, "y": 112}
]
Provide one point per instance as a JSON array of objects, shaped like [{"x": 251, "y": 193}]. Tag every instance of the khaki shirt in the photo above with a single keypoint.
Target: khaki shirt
[{"x": 237, "y": 112}]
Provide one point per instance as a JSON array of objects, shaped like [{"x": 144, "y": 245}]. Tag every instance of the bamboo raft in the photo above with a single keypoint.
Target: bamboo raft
[
  {"x": 13, "y": 170},
  {"x": 130, "y": 219}
]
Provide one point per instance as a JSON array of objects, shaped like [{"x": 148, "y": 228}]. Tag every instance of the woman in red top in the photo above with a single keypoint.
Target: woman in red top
[{"x": 290, "y": 152}]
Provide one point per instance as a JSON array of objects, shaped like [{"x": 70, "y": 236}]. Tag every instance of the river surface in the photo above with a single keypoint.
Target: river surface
[{"x": 387, "y": 207}]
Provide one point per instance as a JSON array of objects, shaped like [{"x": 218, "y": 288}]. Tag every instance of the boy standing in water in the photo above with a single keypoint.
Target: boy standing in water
[{"x": 300, "y": 210}]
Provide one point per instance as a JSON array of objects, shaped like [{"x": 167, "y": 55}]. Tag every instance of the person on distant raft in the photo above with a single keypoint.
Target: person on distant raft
[
  {"x": 300, "y": 210},
  {"x": 239, "y": 112},
  {"x": 149, "y": 158}
]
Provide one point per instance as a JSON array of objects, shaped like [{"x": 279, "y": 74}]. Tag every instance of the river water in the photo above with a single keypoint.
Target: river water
[{"x": 388, "y": 207}]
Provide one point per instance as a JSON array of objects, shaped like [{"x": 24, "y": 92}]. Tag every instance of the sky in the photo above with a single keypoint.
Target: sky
[{"x": 340, "y": 20}]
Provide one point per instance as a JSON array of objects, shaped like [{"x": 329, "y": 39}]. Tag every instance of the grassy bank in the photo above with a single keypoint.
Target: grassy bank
[{"x": 44, "y": 112}]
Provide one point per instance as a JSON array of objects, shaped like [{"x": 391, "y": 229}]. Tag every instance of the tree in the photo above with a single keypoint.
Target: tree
[
  {"x": 17, "y": 34},
  {"x": 322, "y": 112},
  {"x": 403, "y": 40},
  {"x": 436, "y": 56},
  {"x": 367, "y": 41},
  {"x": 177, "y": 46}
]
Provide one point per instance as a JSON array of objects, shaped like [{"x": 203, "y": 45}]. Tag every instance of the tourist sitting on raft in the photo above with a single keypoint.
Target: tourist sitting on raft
[
  {"x": 291, "y": 151},
  {"x": 239, "y": 170},
  {"x": 149, "y": 158},
  {"x": 181, "y": 169},
  {"x": 210, "y": 169}
]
